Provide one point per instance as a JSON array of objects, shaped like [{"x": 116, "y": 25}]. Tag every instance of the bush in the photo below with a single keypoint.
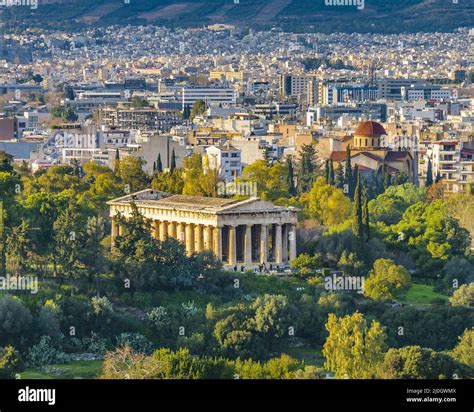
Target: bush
[
  {"x": 10, "y": 362},
  {"x": 15, "y": 321},
  {"x": 44, "y": 354},
  {"x": 137, "y": 342}
]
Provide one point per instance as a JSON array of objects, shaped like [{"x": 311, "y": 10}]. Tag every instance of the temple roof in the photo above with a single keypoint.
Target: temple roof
[{"x": 154, "y": 198}]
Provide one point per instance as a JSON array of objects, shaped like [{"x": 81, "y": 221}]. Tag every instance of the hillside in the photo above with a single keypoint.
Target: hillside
[{"x": 384, "y": 16}]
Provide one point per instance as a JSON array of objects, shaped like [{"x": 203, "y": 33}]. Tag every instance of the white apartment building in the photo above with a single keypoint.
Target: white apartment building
[
  {"x": 210, "y": 95},
  {"x": 87, "y": 102},
  {"x": 226, "y": 160},
  {"x": 453, "y": 161},
  {"x": 115, "y": 137}
]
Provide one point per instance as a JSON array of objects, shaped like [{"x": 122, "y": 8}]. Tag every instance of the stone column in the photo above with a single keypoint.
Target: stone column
[
  {"x": 264, "y": 244},
  {"x": 248, "y": 245},
  {"x": 163, "y": 231},
  {"x": 217, "y": 240},
  {"x": 189, "y": 239},
  {"x": 180, "y": 235},
  {"x": 199, "y": 241},
  {"x": 155, "y": 229},
  {"x": 278, "y": 245},
  {"x": 114, "y": 231},
  {"x": 292, "y": 238},
  {"x": 285, "y": 243},
  {"x": 172, "y": 229},
  {"x": 232, "y": 245},
  {"x": 208, "y": 238}
]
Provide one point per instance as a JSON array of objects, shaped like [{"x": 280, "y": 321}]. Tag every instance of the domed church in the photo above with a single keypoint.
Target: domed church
[{"x": 370, "y": 154}]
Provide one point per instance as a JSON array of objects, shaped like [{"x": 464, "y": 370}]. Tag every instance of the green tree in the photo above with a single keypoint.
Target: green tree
[
  {"x": 357, "y": 228},
  {"x": 159, "y": 164},
  {"x": 18, "y": 245},
  {"x": 463, "y": 351},
  {"x": 464, "y": 296},
  {"x": 10, "y": 362},
  {"x": 271, "y": 181},
  {"x": 352, "y": 349},
  {"x": 415, "y": 362},
  {"x": 15, "y": 321},
  {"x": 173, "y": 161},
  {"x": 386, "y": 281},
  {"x": 331, "y": 177},
  {"x": 307, "y": 168},
  {"x": 198, "y": 180},
  {"x": 429, "y": 174},
  {"x": 132, "y": 173},
  {"x": 6, "y": 162},
  {"x": 69, "y": 239},
  {"x": 290, "y": 177},
  {"x": 305, "y": 264},
  {"x": 348, "y": 178},
  {"x": 328, "y": 204},
  {"x": 365, "y": 217},
  {"x": 199, "y": 107},
  {"x": 117, "y": 163},
  {"x": 339, "y": 179},
  {"x": 169, "y": 182},
  {"x": 69, "y": 115}
]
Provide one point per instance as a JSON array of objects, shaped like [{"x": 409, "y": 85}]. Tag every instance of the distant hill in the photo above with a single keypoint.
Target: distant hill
[{"x": 382, "y": 16}]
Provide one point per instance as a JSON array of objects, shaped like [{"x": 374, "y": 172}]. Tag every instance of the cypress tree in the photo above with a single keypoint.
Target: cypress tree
[
  {"x": 429, "y": 174},
  {"x": 348, "y": 172},
  {"x": 117, "y": 163},
  {"x": 339, "y": 179},
  {"x": 307, "y": 168},
  {"x": 355, "y": 174},
  {"x": 331, "y": 173},
  {"x": 326, "y": 171},
  {"x": 365, "y": 217},
  {"x": 159, "y": 164},
  {"x": 357, "y": 211},
  {"x": 290, "y": 177},
  {"x": 386, "y": 178},
  {"x": 173, "y": 161}
]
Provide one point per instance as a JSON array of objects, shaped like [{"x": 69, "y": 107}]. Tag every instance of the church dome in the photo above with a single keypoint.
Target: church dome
[
  {"x": 368, "y": 134},
  {"x": 370, "y": 129}
]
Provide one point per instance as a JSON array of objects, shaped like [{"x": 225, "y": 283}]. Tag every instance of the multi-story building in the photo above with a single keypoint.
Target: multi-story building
[
  {"x": 140, "y": 118},
  {"x": 210, "y": 95},
  {"x": 354, "y": 93},
  {"x": 226, "y": 160},
  {"x": 295, "y": 86},
  {"x": 392, "y": 89},
  {"x": 88, "y": 101},
  {"x": 452, "y": 162}
]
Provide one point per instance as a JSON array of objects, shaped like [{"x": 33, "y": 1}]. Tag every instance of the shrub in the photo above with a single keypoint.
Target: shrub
[
  {"x": 43, "y": 354},
  {"x": 136, "y": 341}
]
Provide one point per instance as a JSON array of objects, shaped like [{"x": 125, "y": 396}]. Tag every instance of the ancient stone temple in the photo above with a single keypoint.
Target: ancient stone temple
[{"x": 251, "y": 231}]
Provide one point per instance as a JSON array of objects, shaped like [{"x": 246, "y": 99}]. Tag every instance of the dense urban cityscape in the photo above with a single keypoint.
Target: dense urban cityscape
[{"x": 228, "y": 202}]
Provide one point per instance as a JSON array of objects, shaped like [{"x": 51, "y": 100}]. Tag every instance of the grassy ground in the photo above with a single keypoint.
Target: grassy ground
[
  {"x": 83, "y": 369},
  {"x": 421, "y": 295},
  {"x": 310, "y": 356}
]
